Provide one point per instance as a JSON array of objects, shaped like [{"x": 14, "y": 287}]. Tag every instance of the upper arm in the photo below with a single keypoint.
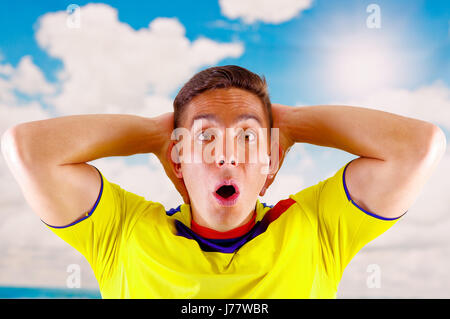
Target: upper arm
[
  {"x": 58, "y": 194},
  {"x": 342, "y": 228},
  {"x": 389, "y": 188}
]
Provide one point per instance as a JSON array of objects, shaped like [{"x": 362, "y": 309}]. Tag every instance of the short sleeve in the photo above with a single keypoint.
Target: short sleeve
[
  {"x": 99, "y": 235},
  {"x": 343, "y": 227}
]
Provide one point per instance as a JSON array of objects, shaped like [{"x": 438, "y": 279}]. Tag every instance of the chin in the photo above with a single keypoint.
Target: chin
[{"x": 228, "y": 216}]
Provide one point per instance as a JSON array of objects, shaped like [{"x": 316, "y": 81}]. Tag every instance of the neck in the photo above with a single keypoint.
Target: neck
[{"x": 237, "y": 231}]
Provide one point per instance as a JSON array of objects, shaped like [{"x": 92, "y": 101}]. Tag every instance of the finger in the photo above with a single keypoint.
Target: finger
[
  {"x": 263, "y": 191},
  {"x": 269, "y": 181}
]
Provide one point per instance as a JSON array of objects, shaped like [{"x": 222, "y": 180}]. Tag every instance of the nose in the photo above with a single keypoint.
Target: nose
[{"x": 223, "y": 161}]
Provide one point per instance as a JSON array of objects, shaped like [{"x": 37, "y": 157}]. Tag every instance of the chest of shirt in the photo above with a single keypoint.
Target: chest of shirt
[{"x": 282, "y": 262}]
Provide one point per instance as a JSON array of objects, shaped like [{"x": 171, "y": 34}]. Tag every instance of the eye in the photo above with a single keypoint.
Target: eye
[
  {"x": 250, "y": 136},
  {"x": 204, "y": 136},
  {"x": 247, "y": 136}
]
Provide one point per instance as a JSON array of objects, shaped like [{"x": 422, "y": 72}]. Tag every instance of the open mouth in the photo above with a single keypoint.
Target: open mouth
[{"x": 227, "y": 193}]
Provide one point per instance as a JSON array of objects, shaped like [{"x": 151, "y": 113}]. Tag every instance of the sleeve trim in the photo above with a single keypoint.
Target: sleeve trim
[
  {"x": 363, "y": 210},
  {"x": 92, "y": 210}
]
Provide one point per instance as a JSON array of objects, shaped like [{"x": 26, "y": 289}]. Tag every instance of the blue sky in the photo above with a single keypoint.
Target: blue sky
[
  {"x": 325, "y": 54},
  {"x": 322, "y": 54},
  {"x": 291, "y": 55}
]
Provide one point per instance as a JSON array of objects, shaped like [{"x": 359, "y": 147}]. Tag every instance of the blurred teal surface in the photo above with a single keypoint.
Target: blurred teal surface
[{"x": 40, "y": 293}]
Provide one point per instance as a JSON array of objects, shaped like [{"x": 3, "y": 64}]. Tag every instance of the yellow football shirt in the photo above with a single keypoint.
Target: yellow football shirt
[{"x": 297, "y": 249}]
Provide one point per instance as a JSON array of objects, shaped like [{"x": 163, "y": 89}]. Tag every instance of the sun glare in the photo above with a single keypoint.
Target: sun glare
[{"x": 360, "y": 67}]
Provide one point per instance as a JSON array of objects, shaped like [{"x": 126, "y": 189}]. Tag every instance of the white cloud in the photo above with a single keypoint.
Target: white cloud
[
  {"x": 267, "y": 11},
  {"x": 147, "y": 180},
  {"x": 6, "y": 69},
  {"x": 7, "y": 95},
  {"x": 420, "y": 272},
  {"x": 26, "y": 78},
  {"x": 110, "y": 66},
  {"x": 15, "y": 114},
  {"x": 285, "y": 184},
  {"x": 429, "y": 103},
  {"x": 29, "y": 79}
]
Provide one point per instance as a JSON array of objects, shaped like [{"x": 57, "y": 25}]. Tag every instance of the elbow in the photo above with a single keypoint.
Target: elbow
[
  {"x": 12, "y": 146},
  {"x": 435, "y": 146},
  {"x": 439, "y": 141},
  {"x": 8, "y": 142}
]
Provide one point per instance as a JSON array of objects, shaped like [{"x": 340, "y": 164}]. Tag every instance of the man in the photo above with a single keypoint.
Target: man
[{"x": 222, "y": 242}]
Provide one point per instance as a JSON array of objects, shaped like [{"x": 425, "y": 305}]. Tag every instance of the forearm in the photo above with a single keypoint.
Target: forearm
[
  {"x": 360, "y": 131},
  {"x": 83, "y": 138}
]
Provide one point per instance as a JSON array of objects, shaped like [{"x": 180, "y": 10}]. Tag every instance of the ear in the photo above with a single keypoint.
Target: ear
[
  {"x": 274, "y": 166},
  {"x": 173, "y": 158}
]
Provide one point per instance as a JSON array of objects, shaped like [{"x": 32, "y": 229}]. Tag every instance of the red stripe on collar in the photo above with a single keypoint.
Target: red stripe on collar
[{"x": 206, "y": 232}]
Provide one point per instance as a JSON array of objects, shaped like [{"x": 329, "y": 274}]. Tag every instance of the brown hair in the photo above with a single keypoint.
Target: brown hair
[{"x": 222, "y": 77}]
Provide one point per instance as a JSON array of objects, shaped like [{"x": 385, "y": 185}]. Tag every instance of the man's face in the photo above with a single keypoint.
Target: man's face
[{"x": 227, "y": 168}]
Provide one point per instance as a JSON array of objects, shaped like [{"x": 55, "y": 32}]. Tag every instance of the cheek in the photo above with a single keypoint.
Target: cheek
[
  {"x": 256, "y": 177},
  {"x": 195, "y": 176}
]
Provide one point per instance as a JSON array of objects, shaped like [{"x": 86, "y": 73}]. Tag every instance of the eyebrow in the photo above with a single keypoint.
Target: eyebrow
[{"x": 213, "y": 118}]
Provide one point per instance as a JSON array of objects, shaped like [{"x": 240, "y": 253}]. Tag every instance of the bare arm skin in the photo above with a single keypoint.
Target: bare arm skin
[
  {"x": 397, "y": 154},
  {"x": 48, "y": 157}
]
